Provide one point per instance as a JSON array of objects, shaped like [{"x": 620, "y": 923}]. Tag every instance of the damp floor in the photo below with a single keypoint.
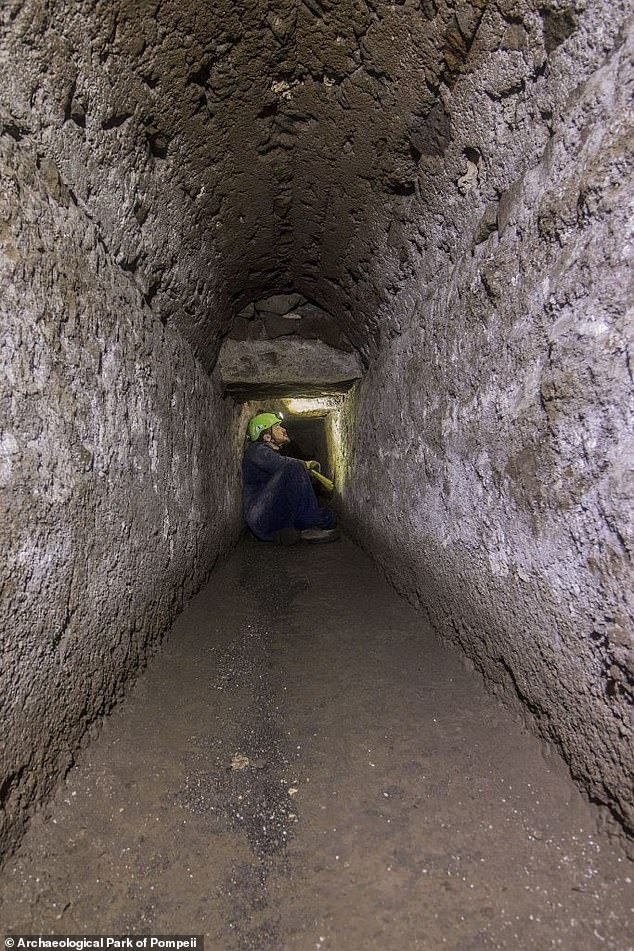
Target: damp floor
[{"x": 304, "y": 767}]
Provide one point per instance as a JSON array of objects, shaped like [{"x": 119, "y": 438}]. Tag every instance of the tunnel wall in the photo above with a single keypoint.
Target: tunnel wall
[
  {"x": 118, "y": 481},
  {"x": 161, "y": 120},
  {"x": 487, "y": 454}
]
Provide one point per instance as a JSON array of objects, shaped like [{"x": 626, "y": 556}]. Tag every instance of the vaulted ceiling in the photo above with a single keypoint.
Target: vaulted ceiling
[{"x": 231, "y": 150}]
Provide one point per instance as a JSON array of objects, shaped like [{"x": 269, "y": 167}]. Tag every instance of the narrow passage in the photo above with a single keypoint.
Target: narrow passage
[{"x": 303, "y": 767}]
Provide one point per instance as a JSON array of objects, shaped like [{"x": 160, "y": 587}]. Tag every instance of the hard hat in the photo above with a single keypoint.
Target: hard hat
[{"x": 260, "y": 423}]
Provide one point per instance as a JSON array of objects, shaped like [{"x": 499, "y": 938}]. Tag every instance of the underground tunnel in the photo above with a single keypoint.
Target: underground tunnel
[{"x": 406, "y": 226}]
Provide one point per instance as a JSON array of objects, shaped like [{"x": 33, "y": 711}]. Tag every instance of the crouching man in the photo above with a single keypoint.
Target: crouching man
[{"x": 280, "y": 504}]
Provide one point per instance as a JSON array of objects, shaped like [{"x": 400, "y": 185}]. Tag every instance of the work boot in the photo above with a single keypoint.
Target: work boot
[
  {"x": 317, "y": 536},
  {"x": 287, "y": 536}
]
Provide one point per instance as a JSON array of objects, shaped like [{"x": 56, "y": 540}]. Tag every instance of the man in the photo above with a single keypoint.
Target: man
[{"x": 280, "y": 504}]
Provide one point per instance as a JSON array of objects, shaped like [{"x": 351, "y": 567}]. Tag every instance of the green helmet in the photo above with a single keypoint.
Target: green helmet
[{"x": 260, "y": 423}]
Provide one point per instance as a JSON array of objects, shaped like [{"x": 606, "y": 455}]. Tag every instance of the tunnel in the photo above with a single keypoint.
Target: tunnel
[{"x": 406, "y": 226}]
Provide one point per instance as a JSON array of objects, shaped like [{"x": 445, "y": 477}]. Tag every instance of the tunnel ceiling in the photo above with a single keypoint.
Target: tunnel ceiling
[{"x": 231, "y": 150}]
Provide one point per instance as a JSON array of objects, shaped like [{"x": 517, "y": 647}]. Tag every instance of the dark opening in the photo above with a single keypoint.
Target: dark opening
[{"x": 308, "y": 440}]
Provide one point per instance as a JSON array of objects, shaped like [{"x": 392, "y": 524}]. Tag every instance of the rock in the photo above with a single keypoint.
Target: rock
[
  {"x": 507, "y": 204},
  {"x": 56, "y": 188},
  {"x": 282, "y": 205},
  {"x": 277, "y": 326},
  {"x": 345, "y": 343},
  {"x": 255, "y": 330},
  {"x": 310, "y": 328},
  {"x": 279, "y": 303},
  {"x": 239, "y": 329},
  {"x": 558, "y": 26},
  {"x": 316, "y": 328},
  {"x": 312, "y": 310},
  {"x": 431, "y": 136},
  {"x": 488, "y": 223},
  {"x": 318, "y": 324},
  {"x": 515, "y": 37},
  {"x": 287, "y": 360}
]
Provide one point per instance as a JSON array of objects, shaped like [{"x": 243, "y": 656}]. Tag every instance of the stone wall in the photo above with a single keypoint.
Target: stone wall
[
  {"x": 118, "y": 484},
  {"x": 488, "y": 451}
]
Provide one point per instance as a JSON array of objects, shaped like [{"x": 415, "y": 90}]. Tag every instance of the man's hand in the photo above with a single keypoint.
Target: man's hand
[{"x": 313, "y": 464}]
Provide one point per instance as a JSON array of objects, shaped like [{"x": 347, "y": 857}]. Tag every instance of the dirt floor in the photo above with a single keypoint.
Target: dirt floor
[{"x": 305, "y": 767}]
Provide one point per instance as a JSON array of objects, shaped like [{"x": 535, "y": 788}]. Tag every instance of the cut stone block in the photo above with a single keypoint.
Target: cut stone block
[
  {"x": 279, "y": 303},
  {"x": 344, "y": 343},
  {"x": 286, "y": 365},
  {"x": 316, "y": 328},
  {"x": 255, "y": 330},
  {"x": 312, "y": 310},
  {"x": 318, "y": 324},
  {"x": 277, "y": 326},
  {"x": 239, "y": 329}
]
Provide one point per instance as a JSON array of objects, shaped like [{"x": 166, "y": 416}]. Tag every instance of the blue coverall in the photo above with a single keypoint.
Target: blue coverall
[{"x": 278, "y": 494}]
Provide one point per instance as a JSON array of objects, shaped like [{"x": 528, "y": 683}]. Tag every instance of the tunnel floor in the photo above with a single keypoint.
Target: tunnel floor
[{"x": 304, "y": 766}]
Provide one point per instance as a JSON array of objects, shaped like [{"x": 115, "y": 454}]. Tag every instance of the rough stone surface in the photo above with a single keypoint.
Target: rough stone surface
[
  {"x": 277, "y": 326},
  {"x": 317, "y": 324},
  {"x": 487, "y": 454},
  {"x": 302, "y": 367},
  {"x": 279, "y": 303},
  {"x": 118, "y": 485},
  {"x": 239, "y": 328}
]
